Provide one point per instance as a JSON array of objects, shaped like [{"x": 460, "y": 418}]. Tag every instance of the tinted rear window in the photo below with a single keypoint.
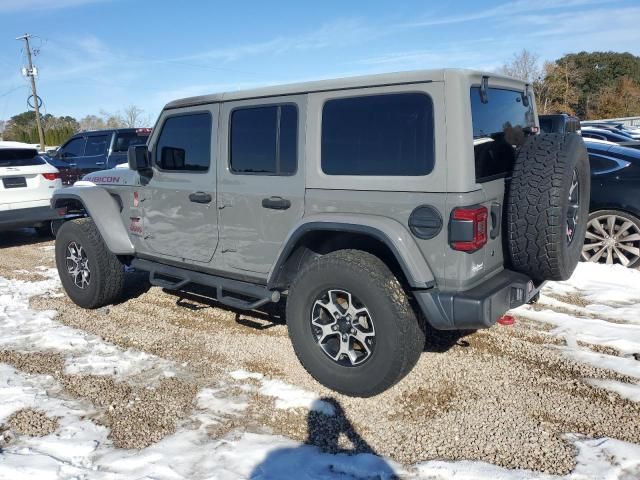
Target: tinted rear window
[
  {"x": 125, "y": 139},
  {"x": 264, "y": 140},
  {"x": 499, "y": 127},
  {"x": 19, "y": 157},
  {"x": 378, "y": 135}
]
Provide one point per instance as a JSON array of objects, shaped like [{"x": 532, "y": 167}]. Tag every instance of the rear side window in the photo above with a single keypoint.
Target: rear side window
[
  {"x": 378, "y": 135},
  {"x": 499, "y": 126},
  {"x": 96, "y": 145},
  {"x": 185, "y": 143},
  {"x": 75, "y": 147},
  {"x": 264, "y": 140},
  {"x": 125, "y": 139},
  {"x": 19, "y": 157}
]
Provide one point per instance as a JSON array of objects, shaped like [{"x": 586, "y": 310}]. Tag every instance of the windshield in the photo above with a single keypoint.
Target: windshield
[
  {"x": 499, "y": 126},
  {"x": 19, "y": 157}
]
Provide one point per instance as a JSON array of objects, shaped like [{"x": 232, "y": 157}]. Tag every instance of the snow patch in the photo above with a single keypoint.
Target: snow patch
[{"x": 27, "y": 330}]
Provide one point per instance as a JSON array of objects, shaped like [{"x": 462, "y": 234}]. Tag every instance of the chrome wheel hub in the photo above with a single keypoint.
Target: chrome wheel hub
[
  {"x": 343, "y": 328},
  {"x": 612, "y": 239},
  {"x": 77, "y": 265}
]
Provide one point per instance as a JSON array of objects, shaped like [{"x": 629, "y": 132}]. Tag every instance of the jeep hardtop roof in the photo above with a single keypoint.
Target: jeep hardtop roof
[{"x": 397, "y": 78}]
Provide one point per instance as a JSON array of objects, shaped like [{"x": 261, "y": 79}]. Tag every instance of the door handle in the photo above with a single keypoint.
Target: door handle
[
  {"x": 200, "y": 197},
  {"x": 99, "y": 163},
  {"x": 276, "y": 203}
]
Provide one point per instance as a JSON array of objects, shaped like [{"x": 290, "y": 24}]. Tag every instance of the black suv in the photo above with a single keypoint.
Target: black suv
[
  {"x": 559, "y": 123},
  {"x": 90, "y": 151}
]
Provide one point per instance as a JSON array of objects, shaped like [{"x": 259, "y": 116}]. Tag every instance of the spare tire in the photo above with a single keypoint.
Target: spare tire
[{"x": 547, "y": 205}]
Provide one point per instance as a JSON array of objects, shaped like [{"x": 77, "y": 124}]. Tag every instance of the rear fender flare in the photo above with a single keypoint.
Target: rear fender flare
[
  {"x": 103, "y": 210},
  {"x": 391, "y": 233}
]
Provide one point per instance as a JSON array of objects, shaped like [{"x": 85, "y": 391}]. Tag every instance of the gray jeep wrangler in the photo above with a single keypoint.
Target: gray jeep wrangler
[{"x": 374, "y": 205}]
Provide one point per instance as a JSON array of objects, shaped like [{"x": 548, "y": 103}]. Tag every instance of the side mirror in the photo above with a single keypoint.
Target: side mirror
[{"x": 138, "y": 157}]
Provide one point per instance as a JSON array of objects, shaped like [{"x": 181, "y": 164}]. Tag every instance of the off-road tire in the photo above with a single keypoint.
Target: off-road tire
[
  {"x": 537, "y": 201},
  {"x": 399, "y": 335},
  {"x": 107, "y": 272}
]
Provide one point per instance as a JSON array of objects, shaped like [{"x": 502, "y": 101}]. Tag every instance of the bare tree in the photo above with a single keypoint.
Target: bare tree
[
  {"x": 133, "y": 116},
  {"x": 523, "y": 65}
]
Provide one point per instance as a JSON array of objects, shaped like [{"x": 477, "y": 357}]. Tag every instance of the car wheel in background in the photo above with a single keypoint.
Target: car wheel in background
[{"x": 612, "y": 237}]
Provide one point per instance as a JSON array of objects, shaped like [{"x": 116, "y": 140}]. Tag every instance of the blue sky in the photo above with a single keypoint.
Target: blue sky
[{"x": 105, "y": 54}]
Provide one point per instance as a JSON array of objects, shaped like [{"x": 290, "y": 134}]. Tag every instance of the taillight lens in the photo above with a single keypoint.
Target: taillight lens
[
  {"x": 468, "y": 228},
  {"x": 51, "y": 176}
]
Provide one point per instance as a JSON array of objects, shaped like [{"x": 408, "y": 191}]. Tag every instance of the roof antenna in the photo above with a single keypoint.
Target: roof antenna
[{"x": 484, "y": 87}]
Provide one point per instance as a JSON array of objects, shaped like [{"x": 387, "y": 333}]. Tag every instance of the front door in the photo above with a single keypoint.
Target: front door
[
  {"x": 261, "y": 180},
  {"x": 95, "y": 153},
  {"x": 179, "y": 200}
]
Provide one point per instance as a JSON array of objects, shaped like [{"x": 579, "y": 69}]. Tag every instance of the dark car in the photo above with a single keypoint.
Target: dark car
[
  {"x": 88, "y": 152},
  {"x": 613, "y": 232},
  {"x": 559, "y": 123},
  {"x": 617, "y": 136}
]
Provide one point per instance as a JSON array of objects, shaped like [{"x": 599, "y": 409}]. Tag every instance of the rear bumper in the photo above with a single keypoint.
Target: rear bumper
[
  {"x": 28, "y": 217},
  {"x": 479, "y": 307}
]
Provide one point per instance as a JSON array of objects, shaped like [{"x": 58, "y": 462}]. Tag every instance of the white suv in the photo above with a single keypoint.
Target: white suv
[{"x": 27, "y": 183}]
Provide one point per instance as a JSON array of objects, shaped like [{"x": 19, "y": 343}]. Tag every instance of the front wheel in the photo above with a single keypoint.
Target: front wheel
[
  {"x": 351, "y": 323},
  {"x": 91, "y": 275}
]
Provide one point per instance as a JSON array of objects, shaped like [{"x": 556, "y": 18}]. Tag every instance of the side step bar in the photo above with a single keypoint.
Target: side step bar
[{"x": 174, "y": 278}]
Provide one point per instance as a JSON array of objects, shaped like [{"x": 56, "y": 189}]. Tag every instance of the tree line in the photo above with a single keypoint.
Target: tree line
[
  {"x": 22, "y": 127},
  {"x": 590, "y": 85}
]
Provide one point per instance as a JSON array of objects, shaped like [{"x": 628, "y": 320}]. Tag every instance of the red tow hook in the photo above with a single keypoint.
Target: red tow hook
[{"x": 506, "y": 320}]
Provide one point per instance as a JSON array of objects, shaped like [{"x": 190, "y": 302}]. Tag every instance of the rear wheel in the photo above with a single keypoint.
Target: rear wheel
[
  {"x": 612, "y": 237},
  {"x": 91, "y": 275},
  {"x": 351, "y": 323}
]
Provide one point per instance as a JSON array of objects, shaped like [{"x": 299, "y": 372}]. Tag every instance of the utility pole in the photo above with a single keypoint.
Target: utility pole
[{"x": 31, "y": 73}]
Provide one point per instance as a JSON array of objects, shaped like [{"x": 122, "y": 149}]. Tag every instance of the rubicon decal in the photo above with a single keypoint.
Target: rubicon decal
[{"x": 104, "y": 179}]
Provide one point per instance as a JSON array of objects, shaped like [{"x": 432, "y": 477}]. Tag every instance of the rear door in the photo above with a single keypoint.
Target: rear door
[
  {"x": 261, "y": 180},
  {"x": 95, "y": 153},
  {"x": 500, "y": 125},
  {"x": 179, "y": 199}
]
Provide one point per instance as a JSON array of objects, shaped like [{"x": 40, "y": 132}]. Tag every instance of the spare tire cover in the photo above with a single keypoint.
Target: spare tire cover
[{"x": 547, "y": 205}]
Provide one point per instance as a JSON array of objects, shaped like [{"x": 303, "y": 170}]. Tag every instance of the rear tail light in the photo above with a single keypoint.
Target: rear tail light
[
  {"x": 468, "y": 228},
  {"x": 51, "y": 176}
]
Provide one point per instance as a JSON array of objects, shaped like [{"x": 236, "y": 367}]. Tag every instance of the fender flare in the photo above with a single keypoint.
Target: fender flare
[
  {"x": 103, "y": 210},
  {"x": 389, "y": 232}
]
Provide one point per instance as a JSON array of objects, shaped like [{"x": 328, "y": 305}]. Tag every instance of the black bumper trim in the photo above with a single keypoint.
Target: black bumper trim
[
  {"x": 479, "y": 307},
  {"x": 27, "y": 217}
]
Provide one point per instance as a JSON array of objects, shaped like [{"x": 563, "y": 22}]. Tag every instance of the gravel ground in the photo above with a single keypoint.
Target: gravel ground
[{"x": 502, "y": 395}]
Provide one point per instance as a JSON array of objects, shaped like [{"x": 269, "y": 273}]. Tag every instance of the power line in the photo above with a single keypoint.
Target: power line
[{"x": 31, "y": 72}]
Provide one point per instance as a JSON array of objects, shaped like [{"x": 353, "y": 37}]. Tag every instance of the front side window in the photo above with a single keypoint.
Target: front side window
[
  {"x": 500, "y": 125},
  {"x": 378, "y": 135},
  {"x": 75, "y": 148},
  {"x": 185, "y": 143},
  {"x": 96, "y": 145},
  {"x": 264, "y": 140}
]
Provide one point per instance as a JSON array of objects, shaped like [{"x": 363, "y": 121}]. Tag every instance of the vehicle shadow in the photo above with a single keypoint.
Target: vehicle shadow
[
  {"x": 24, "y": 236},
  {"x": 440, "y": 341},
  {"x": 273, "y": 314},
  {"x": 135, "y": 284},
  {"x": 333, "y": 449}
]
